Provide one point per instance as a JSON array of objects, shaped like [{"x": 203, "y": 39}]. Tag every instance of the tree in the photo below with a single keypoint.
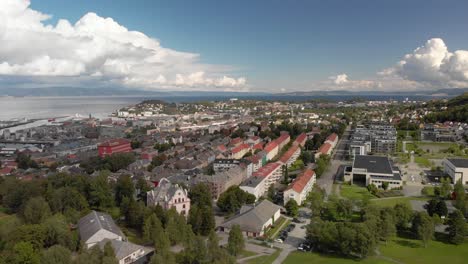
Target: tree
[
  {"x": 90, "y": 256},
  {"x": 100, "y": 193},
  {"x": 423, "y": 227},
  {"x": 441, "y": 209},
  {"x": 285, "y": 174},
  {"x": 25, "y": 162},
  {"x": 36, "y": 210},
  {"x": 457, "y": 228},
  {"x": 67, "y": 198},
  {"x": 385, "y": 185},
  {"x": 445, "y": 187},
  {"x": 57, "y": 232},
  {"x": 387, "y": 224},
  {"x": 158, "y": 160},
  {"x": 56, "y": 255},
  {"x": 460, "y": 197},
  {"x": 271, "y": 193},
  {"x": 154, "y": 232},
  {"x": 109, "y": 254},
  {"x": 24, "y": 253},
  {"x": 233, "y": 198},
  {"x": 292, "y": 208},
  {"x": 124, "y": 188},
  {"x": 315, "y": 199},
  {"x": 118, "y": 161},
  {"x": 403, "y": 216},
  {"x": 235, "y": 241}
]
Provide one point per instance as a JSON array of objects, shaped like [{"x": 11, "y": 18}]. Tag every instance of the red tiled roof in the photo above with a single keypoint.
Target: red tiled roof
[
  {"x": 254, "y": 138},
  {"x": 222, "y": 148},
  {"x": 301, "y": 181},
  {"x": 114, "y": 142},
  {"x": 235, "y": 141},
  {"x": 266, "y": 170},
  {"x": 253, "y": 159},
  {"x": 325, "y": 148},
  {"x": 271, "y": 146},
  {"x": 258, "y": 146},
  {"x": 301, "y": 138},
  {"x": 240, "y": 148},
  {"x": 332, "y": 137},
  {"x": 288, "y": 154},
  {"x": 282, "y": 138}
]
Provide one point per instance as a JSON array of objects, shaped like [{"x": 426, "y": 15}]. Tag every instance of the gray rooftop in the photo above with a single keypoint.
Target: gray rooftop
[
  {"x": 95, "y": 221},
  {"x": 252, "y": 218},
  {"x": 123, "y": 249},
  {"x": 461, "y": 163},
  {"x": 373, "y": 164}
]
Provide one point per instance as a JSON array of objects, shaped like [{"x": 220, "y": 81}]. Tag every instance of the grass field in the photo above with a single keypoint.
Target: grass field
[
  {"x": 423, "y": 162},
  {"x": 280, "y": 223},
  {"x": 354, "y": 192},
  {"x": 245, "y": 254},
  {"x": 399, "y": 250},
  {"x": 267, "y": 259},
  {"x": 300, "y": 257},
  {"x": 412, "y": 251}
]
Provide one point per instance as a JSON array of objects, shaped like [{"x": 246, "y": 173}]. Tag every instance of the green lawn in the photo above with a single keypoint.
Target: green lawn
[
  {"x": 280, "y": 223},
  {"x": 300, "y": 257},
  {"x": 267, "y": 259},
  {"x": 399, "y": 250},
  {"x": 391, "y": 202},
  {"x": 246, "y": 253},
  {"x": 412, "y": 251},
  {"x": 422, "y": 161},
  {"x": 354, "y": 192}
]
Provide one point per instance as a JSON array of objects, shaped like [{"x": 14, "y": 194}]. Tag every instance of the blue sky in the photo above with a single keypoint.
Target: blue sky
[{"x": 291, "y": 45}]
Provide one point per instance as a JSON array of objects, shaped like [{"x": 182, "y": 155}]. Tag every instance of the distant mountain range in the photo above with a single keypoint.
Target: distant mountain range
[
  {"x": 77, "y": 91},
  {"x": 446, "y": 92}
]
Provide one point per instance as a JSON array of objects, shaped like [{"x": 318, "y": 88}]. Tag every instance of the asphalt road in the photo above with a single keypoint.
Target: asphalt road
[{"x": 335, "y": 168}]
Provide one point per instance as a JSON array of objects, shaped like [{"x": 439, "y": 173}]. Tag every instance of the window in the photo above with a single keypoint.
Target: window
[{"x": 183, "y": 206}]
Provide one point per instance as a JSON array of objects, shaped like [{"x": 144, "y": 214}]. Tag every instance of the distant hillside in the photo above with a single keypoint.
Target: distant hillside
[
  {"x": 112, "y": 91},
  {"x": 457, "y": 111},
  {"x": 447, "y": 92},
  {"x": 459, "y": 100}
]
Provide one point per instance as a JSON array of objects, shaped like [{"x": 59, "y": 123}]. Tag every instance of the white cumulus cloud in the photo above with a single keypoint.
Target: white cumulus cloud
[
  {"x": 433, "y": 65},
  {"x": 98, "y": 49},
  {"x": 339, "y": 79}
]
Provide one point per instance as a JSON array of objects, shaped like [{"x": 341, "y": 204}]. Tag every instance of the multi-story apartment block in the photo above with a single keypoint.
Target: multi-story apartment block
[
  {"x": 300, "y": 187},
  {"x": 169, "y": 195}
]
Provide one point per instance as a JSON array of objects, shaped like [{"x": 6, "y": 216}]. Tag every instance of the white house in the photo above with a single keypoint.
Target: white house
[{"x": 457, "y": 169}]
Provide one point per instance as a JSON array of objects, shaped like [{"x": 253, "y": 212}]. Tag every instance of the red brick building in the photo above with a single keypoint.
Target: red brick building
[{"x": 112, "y": 146}]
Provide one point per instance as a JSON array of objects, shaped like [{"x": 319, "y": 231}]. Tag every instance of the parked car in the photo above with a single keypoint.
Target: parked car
[
  {"x": 304, "y": 247},
  {"x": 279, "y": 240},
  {"x": 290, "y": 227}
]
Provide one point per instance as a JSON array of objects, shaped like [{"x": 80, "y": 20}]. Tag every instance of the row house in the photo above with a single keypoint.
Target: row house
[
  {"x": 300, "y": 140},
  {"x": 332, "y": 139},
  {"x": 239, "y": 151},
  {"x": 300, "y": 187},
  {"x": 283, "y": 140},
  {"x": 290, "y": 156},
  {"x": 325, "y": 149},
  {"x": 271, "y": 149},
  {"x": 261, "y": 180}
]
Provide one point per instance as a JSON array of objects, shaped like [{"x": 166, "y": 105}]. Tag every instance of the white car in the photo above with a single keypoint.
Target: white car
[{"x": 279, "y": 240}]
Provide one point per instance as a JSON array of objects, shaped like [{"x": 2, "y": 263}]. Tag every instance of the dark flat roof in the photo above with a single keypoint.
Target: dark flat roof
[
  {"x": 462, "y": 163},
  {"x": 373, "y": 164}
]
